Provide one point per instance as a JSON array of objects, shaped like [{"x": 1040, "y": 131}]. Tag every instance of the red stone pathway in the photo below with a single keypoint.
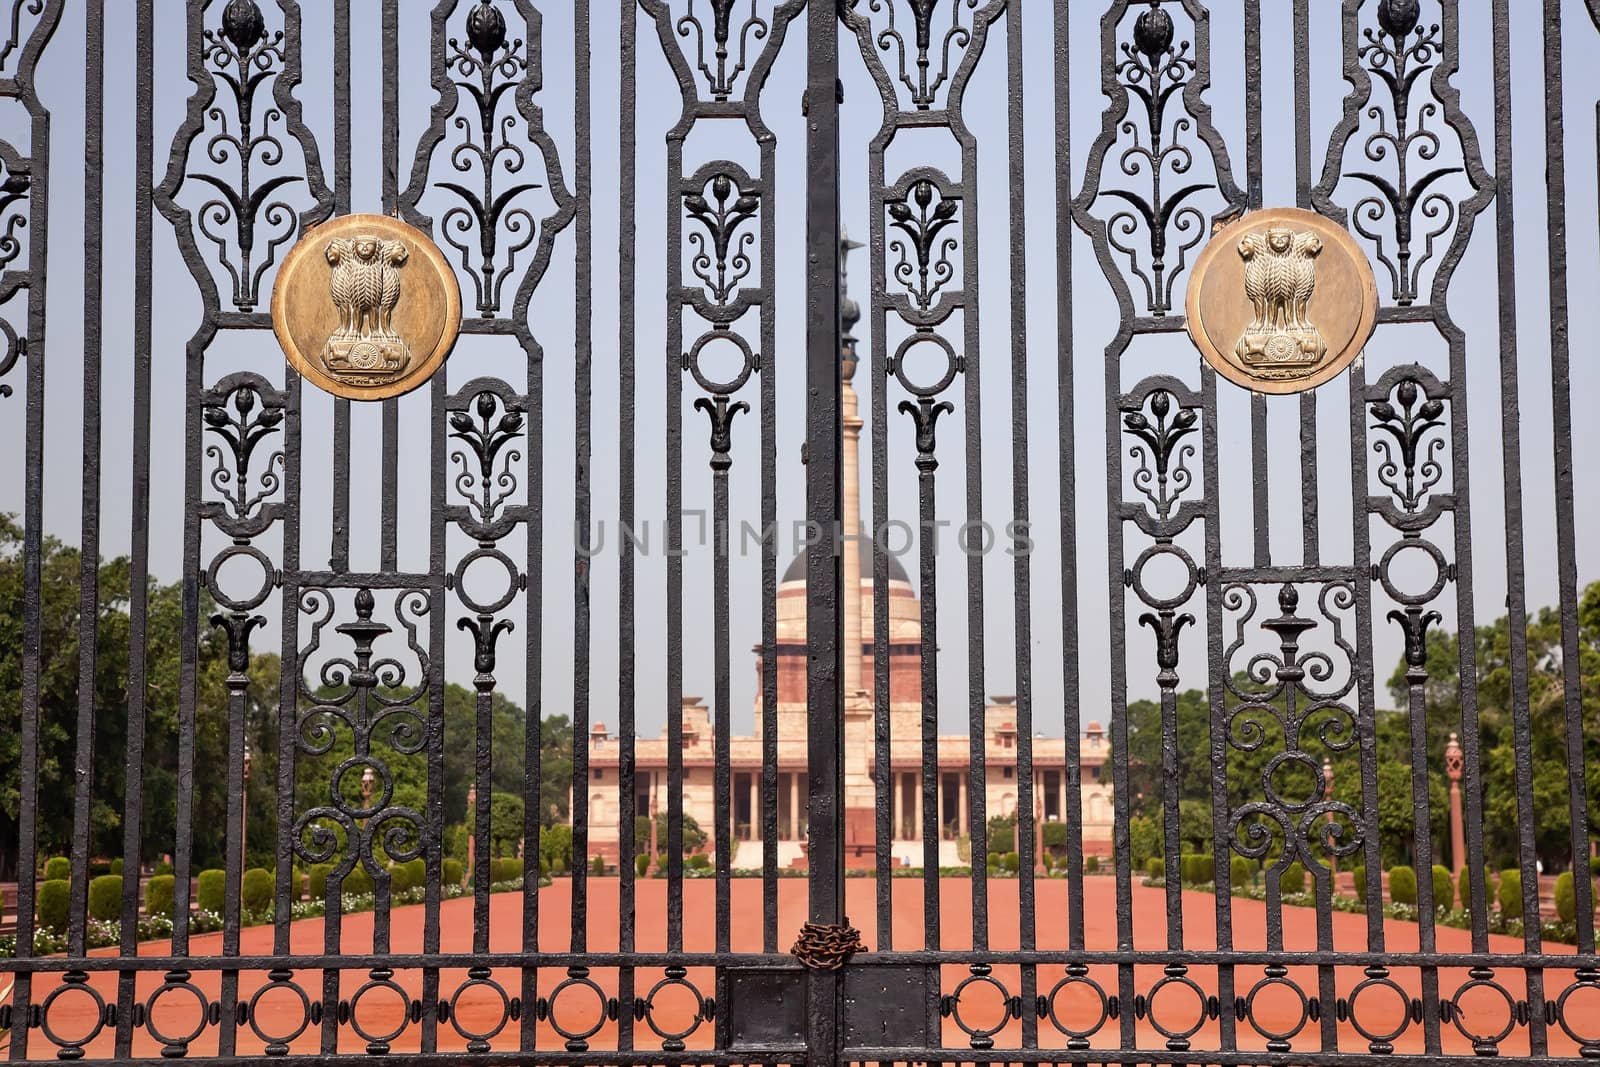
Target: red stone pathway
[{"x": 72, "y": 1015}]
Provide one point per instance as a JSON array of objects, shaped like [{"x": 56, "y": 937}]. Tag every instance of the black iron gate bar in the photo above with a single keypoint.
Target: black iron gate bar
[{"x": 232, "y": 49}]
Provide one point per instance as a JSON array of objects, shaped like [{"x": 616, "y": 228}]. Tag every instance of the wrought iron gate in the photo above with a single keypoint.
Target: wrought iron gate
[{"x": 265, "y": 654}]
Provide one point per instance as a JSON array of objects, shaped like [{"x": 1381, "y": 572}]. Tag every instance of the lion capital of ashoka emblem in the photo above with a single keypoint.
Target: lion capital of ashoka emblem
[
  {"x": 364, "y": 348},
  {"x": 1280, "y": 274}
]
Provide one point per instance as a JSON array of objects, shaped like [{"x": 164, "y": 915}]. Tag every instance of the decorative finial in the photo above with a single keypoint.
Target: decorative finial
[
  {"x": 849, "y": 310},
  {"x": 486, "y": 29},
  {"x": 1398, "y": 17},
  {"x": 1152, "y": 33},
  {"x": 243, "y": 25}
]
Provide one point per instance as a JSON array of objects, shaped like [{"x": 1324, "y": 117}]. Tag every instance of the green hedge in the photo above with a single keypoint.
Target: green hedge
[
  {"x": 641, "y": 865},
  {"x": 453, "y": 871},
  {"x": 504, "y": 869},
  {"x": 105, "y": 897},
  {"x": 1444, "y": 887},
  {"x": 1566, "y": 897},
  {"x": 1091, "y": 865},
  {"x": 1509, "y": 894},
  {"x": 158, "y": 893},
  {"x": 1053, "y": 834},
  {"x": 1293, "y": 879},
  {"x": 57, "y": 869},
  {"x": 1002, "y": 834},
  {"x": 213, "y": 886},
  {"x": 597, "y": 866},
  {"x": 116, "y": 866},
  {"x": 357, "y": 881},
  {"x": 555, "y": 845},
  {"x": 1402, "y": 885},
  {"x": 1155, "y": 868},
  {"x": 52, "y": 903},
  {"x": 256, "y": 890},
  {"x": 1012, "y": 862},
  {"x": 1241, "y": 871},
  {"x": 317, "y": 880},
  {"x": 1197, "y": 868},
  {"x": 1359, "y": 874},
  {"x": 697, "y": 862}
]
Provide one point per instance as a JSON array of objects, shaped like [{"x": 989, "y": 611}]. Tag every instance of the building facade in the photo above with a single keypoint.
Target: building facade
[{"x": 1052, "y": 777}]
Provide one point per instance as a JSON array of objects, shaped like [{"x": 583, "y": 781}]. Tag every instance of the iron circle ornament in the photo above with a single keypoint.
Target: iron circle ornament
[
  {"x": 366, "y": 307},
  {"x": 1281, "y": 300}
]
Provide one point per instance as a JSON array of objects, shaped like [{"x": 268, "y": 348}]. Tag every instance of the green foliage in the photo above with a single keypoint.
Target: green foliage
[
  {"x": 58, "y": 869},
  {"x": 1444, "y": 887},
  {"x": 1241, "y": 871},
  {"x": 641, "y": 865},
  {"x": 1509, "y": 893},
  {"x": 105, "y": 897},
  {"x": 158, "y": 893},
  {"x": 1566, "y": 897},
  {"x": 116, "y": 865},
  {"x": 452, "y": 871},
  {"x": 163, "y": 867},
  {"x": 1594, "y": 866},
  {"x": 555, "y": 843},
  {"x": 317, "y": 886},
  {"x": 1154, "y": 868},
  {"x": 297, "y": 883},
  {"x": 358, "y": 881},
  {"x": 698, "y": 862},
  {"x": 256, "y": 890},
  {"x": 1197, "y": 868},
  {"x": 1359, "y": 875},
  {"x": 212, "y": 887},
  {"x": 1145, "y": 840},
  {"x": 1091, "y": 865},
  {"x": 991, "y": 863},
  {"x": 1293, "y": 879},
  {"x": 544, "y": 867},
  {"x": 694, "y": 838},
  {"x": 399, "y": 878},
  {"x": 506, "y": 812},
  {"x": 1012, "y": 862},
  {"x": 1402, "y": 885},
  {"x": 1048, "y": 862},
  {"x": 597, "y": 867},
  {"x": 1053, "y": 834},
  {"x": 505, "y": 869},
  {"x": 1003, "y": 834},
  {"x": 50, "y": 906},
  {"x": 964, "y": 848},
  {"x": 99, "y": 868}
]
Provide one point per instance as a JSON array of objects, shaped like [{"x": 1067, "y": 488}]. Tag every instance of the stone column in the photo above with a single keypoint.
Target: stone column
[
  {"x": 1061, "y": 794},
  {"x": 794, "y": 806},
  {"x": 916, "y": 807},
  {"x": 755, "y": 809},
  {"x": 1458, "y": 839},
  {"x": 963, "y": 824},
  {"x": 899, "y": 806}
]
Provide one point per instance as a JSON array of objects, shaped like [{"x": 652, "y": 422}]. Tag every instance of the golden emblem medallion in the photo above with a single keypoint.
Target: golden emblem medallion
[
  {"x": 366, "y": 307},
  {"x": 1281, "y": 300}
]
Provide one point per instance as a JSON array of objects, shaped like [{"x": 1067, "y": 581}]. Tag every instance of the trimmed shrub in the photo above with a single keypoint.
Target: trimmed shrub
[
  {"x": 317, "y": 880},
  {"x": 1012, "y": 862},
  {"x": 555, "y": 842},
  {"x": 99, "y": 868},
  {"x": 544, "y": 866},
  {"x": 991, "y": 863},
  {"x": 212, "y": 886},
  {"x": 1509, "y": 893},
  {"x": 1196, "y": 868},
  {"x": 1091, "y": 865},
  {"x": 697, "y": 862},
  {"x": 597, "y": 867},
  {"x": 505, "y": 869},
  {"x": 57, "y": 869},
  {"x": 452, "y": 871},
  {"x": 1048, "y": 862},
  {"x": 51, "y": 904},
  {"x": 641, "y": 865},
  {"x": 557, "y": 865},
  {"x": 416, "y": 872},
  {"x": 399, "y": 878},
  {"x": 357, "y": 881},
  {"x": 1293, "y": 879},
  {"x": 116, "y": 865},
  {"x": 1402, "y": 885},
  {"x": 1241, "y": 872},
  {"x": 1145, "y": 839},
  {"x": 1154, "y": 868},
  {"x": 105, "y": 897},
  {"x": 297, "y": 883},
  {"x": 158, "y": 893},
  {"x": 1359, "y": 875},
  {"x": 256, "y": 889},
  {"x": 1053, "y": 834},
  {"x": 163, "y": 867},
  {"x": 1566, "y": 897},
  {"x": 1444, "y": 887},
  {"x": 1594, "y": 866},
  {"x": 1002, "y": 834}
]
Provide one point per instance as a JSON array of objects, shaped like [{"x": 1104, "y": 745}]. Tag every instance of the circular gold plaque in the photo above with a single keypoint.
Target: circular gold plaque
[
  {"x": 1281, "y": 300},
  {"x": 366, "y": 307}
]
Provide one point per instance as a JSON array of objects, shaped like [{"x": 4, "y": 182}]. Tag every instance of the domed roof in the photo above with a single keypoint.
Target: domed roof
[{"x": 796, "y": 571}]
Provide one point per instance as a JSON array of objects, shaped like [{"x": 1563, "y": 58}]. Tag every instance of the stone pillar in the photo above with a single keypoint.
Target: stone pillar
[
  {"x": 899, "y": 806},
  {"x": 916, "y": 807},
  {"x": 755, "y": 808},
  {"x": 1458, "y": 839},
  {"x": 794, "y": 806},
  {"x": 1061, "y": 794},
  {"x": 963, "y": 824}
]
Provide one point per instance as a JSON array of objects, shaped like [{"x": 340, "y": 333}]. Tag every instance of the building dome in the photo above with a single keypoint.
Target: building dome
[{"x": 796, "y": 571}]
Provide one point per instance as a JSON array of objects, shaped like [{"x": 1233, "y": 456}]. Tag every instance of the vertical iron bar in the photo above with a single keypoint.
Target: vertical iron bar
[
  {"x": 1311, "y": 553},
  {"x": 582, "y": 487},
  {"x": 674, "y": 495},
  {"x": 1066, "y": 417},
  {"x": 824, "y": 504},
  {"x": 1561, "y": 436},
  {"x": 1511, "y": 455},
  {"x": 340, "y": 560},
  {"x": 1261, "y": 498},
  {"x": 139, "y": 536},
  {"x": 89, "y": 531},
  {"x": 627, "y": 746},
  {"x": 389, "y": 552}
]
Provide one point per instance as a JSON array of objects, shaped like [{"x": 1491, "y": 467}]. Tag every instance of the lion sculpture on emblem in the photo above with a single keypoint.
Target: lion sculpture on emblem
[
  {"x": 364, "y": 348},
  {"x": 1280, "y": 274}
]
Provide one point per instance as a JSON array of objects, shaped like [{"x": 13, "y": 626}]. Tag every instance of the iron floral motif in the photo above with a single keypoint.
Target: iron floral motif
[
  {"x": 931, "y": 65},
  {"x": 1163, "y": 472},
  {"x": 721, "y": 257},
  {"x": 924, "y": 259},
  {"x": 720, "y": 74},
  {"x": 1418, "y": 469},
  {"x": 243, "y": 411},
  {"x": 488, "y": 438},
  {"x": 245, "y": 57},
  {"x": 487, "y": 67},
  {"x": 15, "y": 189}
]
